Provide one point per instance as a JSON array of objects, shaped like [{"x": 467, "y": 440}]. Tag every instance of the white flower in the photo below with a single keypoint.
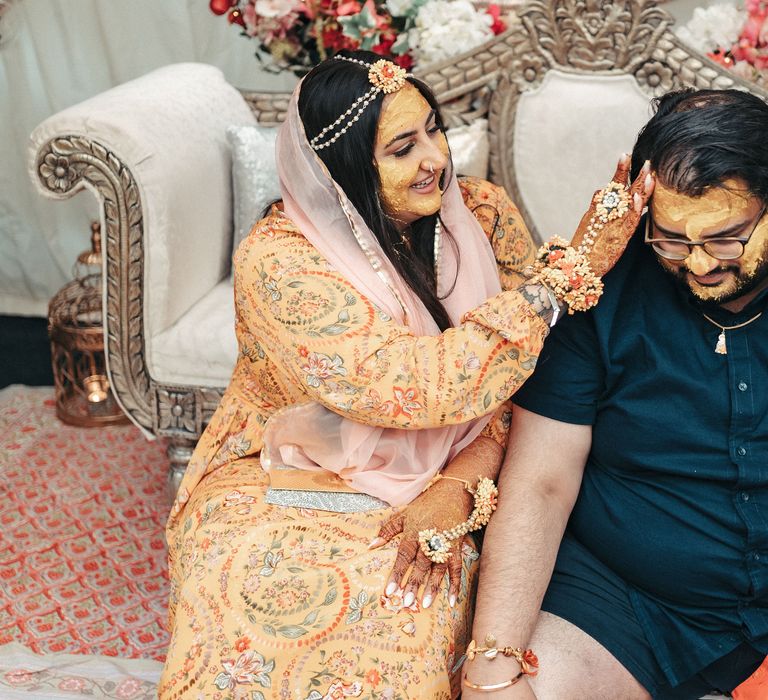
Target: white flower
[
  {"x": 399, "y": 8},
  {"x": 713, "y": 27},
  {"x": 274, "y": 8},
  {"x": 445, "y": 28}
]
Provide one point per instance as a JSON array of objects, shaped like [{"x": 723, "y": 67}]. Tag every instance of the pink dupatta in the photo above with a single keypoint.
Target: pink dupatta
[{"x": 391, "y": 464}]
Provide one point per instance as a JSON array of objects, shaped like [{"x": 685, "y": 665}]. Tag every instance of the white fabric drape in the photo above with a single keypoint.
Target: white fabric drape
[{"x": 61, "y": 52}]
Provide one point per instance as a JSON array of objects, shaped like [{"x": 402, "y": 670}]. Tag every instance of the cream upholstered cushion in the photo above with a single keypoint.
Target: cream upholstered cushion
[
  {"x": 200, "y": 348},
  {"x": 169, "y": 128},
  {"x": 254, "y": 175},
  {"x": 569, "y": 135}
]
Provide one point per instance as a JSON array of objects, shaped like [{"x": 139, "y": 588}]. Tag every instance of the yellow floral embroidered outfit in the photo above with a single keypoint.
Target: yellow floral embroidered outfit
[{"x": 278, "y": 602}]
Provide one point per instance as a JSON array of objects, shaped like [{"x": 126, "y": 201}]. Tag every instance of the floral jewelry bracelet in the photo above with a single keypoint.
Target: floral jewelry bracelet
[
  {"x": 566, "y": 271},
  {"x": 437, "y": 545}
]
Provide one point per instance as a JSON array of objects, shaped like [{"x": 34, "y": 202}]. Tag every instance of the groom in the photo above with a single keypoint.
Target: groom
[{"x": 630, "y": 547}]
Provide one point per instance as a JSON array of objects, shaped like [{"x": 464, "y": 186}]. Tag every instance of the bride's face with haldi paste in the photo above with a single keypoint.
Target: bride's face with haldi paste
[{"x": 410, "y": 155}]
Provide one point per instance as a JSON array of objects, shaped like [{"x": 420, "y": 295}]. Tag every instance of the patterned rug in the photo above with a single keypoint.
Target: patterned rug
[{"x": 82, "y": 553}]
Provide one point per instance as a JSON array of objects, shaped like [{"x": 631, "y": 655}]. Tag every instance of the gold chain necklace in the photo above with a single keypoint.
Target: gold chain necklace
[{"x": 720, "y": 347}]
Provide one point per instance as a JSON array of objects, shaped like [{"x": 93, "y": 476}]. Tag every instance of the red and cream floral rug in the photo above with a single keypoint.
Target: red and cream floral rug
[{"x": 82, "y": 552}]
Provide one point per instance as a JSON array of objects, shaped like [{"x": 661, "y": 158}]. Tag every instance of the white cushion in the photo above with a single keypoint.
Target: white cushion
[
  {"x": 200, "y": 348},
  {"x": 569, "y": 135},
  {"x": 254, "y": 175}
]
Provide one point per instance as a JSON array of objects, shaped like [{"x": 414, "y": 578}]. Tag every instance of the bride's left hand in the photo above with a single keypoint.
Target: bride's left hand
[{"x": 442, "y": 506}]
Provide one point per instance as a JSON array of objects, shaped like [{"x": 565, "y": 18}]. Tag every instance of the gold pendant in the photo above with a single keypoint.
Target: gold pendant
[{"x": 720, "y": 348}]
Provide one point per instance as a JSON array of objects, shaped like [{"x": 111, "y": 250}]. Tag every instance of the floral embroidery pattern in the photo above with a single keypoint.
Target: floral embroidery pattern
[
  {"x": 250, "y": 667},
  {"x": 320, "y": 367}
]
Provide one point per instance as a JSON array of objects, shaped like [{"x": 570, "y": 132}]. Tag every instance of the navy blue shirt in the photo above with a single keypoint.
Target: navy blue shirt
[{"x": 675, "y": 492}]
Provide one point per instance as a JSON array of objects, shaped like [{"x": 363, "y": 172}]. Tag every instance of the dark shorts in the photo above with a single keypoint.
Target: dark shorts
[{"x": 587, "y": 594}]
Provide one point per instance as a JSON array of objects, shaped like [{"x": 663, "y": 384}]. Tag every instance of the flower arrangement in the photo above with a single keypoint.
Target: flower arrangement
[
  {"x": 734, "y": 37},
  {"x": 296, "y": 34}
]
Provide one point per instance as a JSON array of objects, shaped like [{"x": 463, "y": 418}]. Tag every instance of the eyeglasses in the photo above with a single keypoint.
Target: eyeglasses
[{"x": 726, "y": 248}]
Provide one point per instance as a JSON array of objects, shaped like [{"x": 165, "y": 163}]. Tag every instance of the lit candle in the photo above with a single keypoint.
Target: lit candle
[{"x": 96, "y": 387}]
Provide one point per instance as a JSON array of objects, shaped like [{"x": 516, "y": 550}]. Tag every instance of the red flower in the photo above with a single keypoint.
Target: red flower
[
  {"x": 404, "y": 61},
  {"x": 236, "y": 17},
  {"x": 499, "y": 25},
  {"x": 530, "y": 663},
  {"x": 384, "y": 47},
  {"x": 721, "y": 57},
  {"x": 242, "y": 644},
  {"x": 334, "y": 41},
  {"x": 555, "y": 254},
  {"x": 753, "y": 26}
]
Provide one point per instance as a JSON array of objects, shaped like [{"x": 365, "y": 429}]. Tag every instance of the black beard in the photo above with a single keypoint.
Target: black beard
[{"x": 744, "y": 283}]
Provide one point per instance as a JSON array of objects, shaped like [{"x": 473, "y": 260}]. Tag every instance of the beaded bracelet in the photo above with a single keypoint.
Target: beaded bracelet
[{"x": 436, "y": 546}]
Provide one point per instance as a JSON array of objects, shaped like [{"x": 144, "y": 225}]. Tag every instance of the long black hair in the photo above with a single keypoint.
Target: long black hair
[
  {"x": 699, "y": 138},
  {"x": 329, "y": 90}
]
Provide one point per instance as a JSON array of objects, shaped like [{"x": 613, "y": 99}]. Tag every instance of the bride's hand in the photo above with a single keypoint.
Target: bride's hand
[
  {"x": 605, "y": 240},
  {"x": 444, "y": 504}
]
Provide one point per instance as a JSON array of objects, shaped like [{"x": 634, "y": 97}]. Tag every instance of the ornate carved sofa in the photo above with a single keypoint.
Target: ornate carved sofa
[{"x": 565, "y": 90}]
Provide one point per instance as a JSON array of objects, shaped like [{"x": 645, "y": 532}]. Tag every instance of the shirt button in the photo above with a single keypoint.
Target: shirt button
[
  {"x": 741, "y": 451},
  {"x": 743, "y": 386},
  {"x": 744, "y": 496}
]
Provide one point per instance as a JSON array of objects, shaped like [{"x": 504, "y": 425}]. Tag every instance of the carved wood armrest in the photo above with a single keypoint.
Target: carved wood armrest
[{"x": 64, "y": 166}]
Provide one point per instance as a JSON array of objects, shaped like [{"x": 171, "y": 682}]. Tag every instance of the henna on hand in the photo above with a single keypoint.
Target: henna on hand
[{"x": 612, "y": 237}]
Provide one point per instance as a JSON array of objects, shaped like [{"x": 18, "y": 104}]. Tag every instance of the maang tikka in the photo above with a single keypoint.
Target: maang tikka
[{"x": 384, "y": 76}]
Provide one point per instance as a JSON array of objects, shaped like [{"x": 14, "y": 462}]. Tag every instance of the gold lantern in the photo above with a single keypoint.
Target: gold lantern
[{"x": 83, "y": 395}]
